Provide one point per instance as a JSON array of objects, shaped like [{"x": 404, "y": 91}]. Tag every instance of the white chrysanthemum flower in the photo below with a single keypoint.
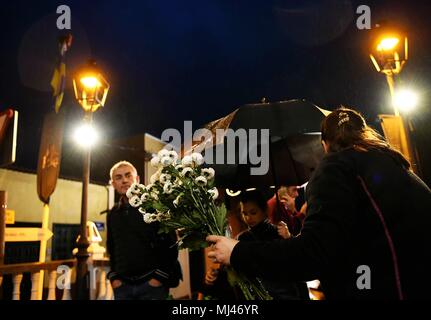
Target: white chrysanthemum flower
[
  {"x": 134, "y": 189},
  {"x": 208, "y": 173},
  {"x": 177, "y": 201},
  {"x": 166, "y": 161},
  {"x": 201, "y": 181},
  {"x": 164, "y": 178},
  {"x": 179, "y": 167},
  {"x": 214, "y": 193},
  {"x": 186, "y": 172},
  {"x": 187, "y": 161},
  {"x": 145, "y": 197},
  {"x": 198, "y": 159},
  {"x": 173, "y": 155},
  {"x": 163, "y": 153},
  {"x": 155, "y": 177},
  {"x": 153, "y": 217},
  {"x": 129, "y": 193},
  {"x": 155, "y": 161},
  {"x": 155, "y": 195},
  {"x": 141, "y": 210},
  {"x": 177, "y": 182},
  {"x": 148, "y": 218},
  {"x": 149, "y": 187},
  {"x": 168, "y": 188},
  {"x": 135, "y": 201}
]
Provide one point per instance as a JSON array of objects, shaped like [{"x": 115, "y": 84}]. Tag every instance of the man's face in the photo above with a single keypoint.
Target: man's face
[{"x": 123, "y": 177}]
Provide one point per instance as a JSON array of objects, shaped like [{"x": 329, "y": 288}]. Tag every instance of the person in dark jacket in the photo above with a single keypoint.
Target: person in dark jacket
[
  {"x": 144, "y": 264},
  {"x": 255, "y": 212},
  {"x": 366, "y": 231}
]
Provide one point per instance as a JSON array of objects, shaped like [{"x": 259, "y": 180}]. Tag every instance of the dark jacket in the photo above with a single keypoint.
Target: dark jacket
[
  {"x": 345, "y": 230},
  {"x": 137, "y": 251},
  {"x": 279, "y": 289}
]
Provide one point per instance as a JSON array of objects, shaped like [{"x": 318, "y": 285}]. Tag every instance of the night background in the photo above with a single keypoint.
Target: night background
[{"x": 171, "y": 61}]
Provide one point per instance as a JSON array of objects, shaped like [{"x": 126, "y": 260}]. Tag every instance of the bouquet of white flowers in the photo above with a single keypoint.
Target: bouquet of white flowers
[{"x": 181, "y": 197}]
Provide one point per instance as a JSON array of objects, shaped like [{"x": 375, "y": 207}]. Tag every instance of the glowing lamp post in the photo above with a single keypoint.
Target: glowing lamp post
[
  {"x": 91, "y": 90},
  {"x": 389, "y": 53}
]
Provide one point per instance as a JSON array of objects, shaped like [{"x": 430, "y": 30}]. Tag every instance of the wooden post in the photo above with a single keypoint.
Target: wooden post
[
  {"x": 16, "y": 279},
  {"x": 51, "y": 285},
  {"x": 34, "y": 285},
  {"x": 42, "y": 251},
  {"x": 3, "y": 207}
]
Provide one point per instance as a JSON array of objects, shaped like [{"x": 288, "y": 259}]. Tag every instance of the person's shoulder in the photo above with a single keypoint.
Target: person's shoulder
[{"x": 341, "y": 161}]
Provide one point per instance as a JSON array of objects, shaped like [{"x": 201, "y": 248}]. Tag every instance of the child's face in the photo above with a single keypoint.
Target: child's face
[{"x": 252, "y": 214}]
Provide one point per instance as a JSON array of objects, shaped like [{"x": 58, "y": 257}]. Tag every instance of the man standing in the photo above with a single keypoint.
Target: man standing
[{"x": 144, "y": 264}]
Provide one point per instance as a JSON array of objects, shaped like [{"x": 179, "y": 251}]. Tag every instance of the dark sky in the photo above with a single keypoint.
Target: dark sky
[{"x": 170, "y": 61}]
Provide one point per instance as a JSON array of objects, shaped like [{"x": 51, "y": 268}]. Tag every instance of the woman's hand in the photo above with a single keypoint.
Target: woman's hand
[
  {"x": 221, "y": 249},
  {"x": 116, "y": 284},
  {"x": 283, "y": 230}
]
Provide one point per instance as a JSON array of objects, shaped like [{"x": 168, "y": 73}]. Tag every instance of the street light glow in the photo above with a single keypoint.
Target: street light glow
[
  {"x": 405, "y": 100},
  {"x": 86, "y": 135},
  {"x": 387, "y": 44},
  {"x": 90, "y": 82}
]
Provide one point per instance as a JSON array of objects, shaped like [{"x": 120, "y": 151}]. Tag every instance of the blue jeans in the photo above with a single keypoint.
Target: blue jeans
[{"x": 140, "y": 291}]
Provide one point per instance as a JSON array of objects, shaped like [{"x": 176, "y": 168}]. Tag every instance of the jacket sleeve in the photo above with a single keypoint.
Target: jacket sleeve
[
  {"x": 332, "y": 201},
  {"x": 169, "y": 271},
  {"x": 112, "y": 275}
]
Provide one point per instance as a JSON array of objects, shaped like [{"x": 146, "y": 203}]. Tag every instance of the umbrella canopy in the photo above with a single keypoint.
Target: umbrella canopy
[{"x": 287, "y": 153}]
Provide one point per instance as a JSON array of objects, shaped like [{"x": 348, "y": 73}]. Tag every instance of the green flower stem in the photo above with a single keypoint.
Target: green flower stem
[{"x": 203, "y": 211}]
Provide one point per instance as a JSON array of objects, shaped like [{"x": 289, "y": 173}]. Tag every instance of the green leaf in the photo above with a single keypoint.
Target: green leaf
[{"x": 194, "y": 241}]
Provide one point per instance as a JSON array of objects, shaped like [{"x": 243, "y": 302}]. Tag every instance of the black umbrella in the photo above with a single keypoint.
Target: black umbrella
[{"x": 289, "y": 155}]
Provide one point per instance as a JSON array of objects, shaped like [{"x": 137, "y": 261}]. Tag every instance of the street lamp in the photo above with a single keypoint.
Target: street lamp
[
  {"x": 91, "y": 90},
  {"x": 389, "y": 53},
  {"x": 405, "y": 100}
]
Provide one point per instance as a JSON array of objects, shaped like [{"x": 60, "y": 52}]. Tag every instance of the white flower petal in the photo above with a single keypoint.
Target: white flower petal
[
  {"x": 141, "y": 210},
  {"x": 198, "y": 159},
  {"x": 173, "y": 155},
  {"x": 135, "y": 188},
  {"x": 201, "y": 181},
  {"x": 168, "y": 188},
  {"x": 147, "y": 218},
  {"x": 163, "y": 153},
  {"x": 135, "y": 201},
  {"x": 186, "y": 172},
  {"x": 214, "y": 193},
  {"x": 208, "y": 173},
  {"x": 187, "y": 161},
  {"x": 164, "y": 178},
  {"x": 155, "y": 161},
  {"x": 166, "y": 161},
  {"x": 145, "y": 197},
  {"x": 129, "y": 193},
  {"x": 177, "y": 201},
  {"x": 155, "y": 177}
]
